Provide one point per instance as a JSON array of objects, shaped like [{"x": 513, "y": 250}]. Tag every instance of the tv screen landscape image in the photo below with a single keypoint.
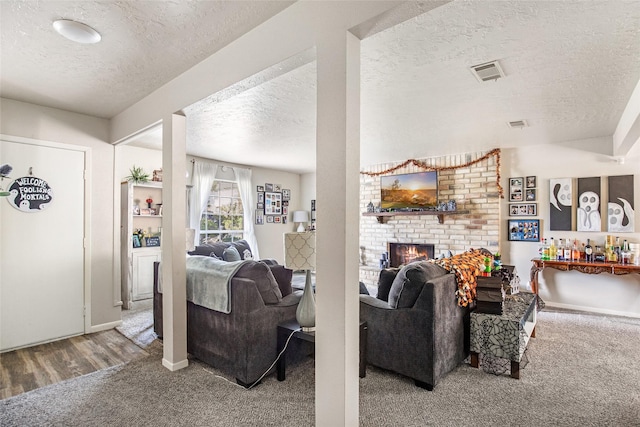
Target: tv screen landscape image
[{"x": 409, "y": 191}]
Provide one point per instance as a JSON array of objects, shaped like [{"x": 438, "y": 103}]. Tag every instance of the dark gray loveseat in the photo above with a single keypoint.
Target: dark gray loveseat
[
  {"x": 242, "y": 343},
  {"x": 415, "y": 327}
]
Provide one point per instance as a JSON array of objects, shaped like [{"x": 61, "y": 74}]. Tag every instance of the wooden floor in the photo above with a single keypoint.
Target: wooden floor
[{"x": 30, "y": 368}]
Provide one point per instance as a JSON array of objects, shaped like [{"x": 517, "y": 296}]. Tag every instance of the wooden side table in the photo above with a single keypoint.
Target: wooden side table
[
  {"x": 286, "y": 328},
  {"x": 506, "y": 335}
]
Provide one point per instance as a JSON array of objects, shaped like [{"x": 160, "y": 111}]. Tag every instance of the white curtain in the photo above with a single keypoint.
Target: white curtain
[
  {"x": 203, "y": 175},
  {"x": 243, "y": 179}
]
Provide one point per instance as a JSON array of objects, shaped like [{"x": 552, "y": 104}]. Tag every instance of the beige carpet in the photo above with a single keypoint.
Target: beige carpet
[
  {"x": 137, "y": 323},
  {"x": 583, "y": 371}
]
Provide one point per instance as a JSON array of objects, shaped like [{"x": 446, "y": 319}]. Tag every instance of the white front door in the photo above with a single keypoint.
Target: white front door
[{"x": 42, "y": 253}]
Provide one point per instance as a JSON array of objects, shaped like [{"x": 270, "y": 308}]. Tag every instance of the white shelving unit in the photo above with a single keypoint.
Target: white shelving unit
[{"x": 137, "y": 263}]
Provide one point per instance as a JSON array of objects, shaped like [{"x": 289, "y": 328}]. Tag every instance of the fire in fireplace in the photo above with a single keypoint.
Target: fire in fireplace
[{"x": 404, "y": 253}]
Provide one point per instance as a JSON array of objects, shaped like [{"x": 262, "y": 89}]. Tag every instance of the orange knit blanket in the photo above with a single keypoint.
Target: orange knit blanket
[{"x": 466, "y": 266}]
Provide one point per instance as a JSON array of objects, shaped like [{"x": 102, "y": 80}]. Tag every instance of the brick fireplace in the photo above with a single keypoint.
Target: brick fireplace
[{"x": 473, "y": 188}]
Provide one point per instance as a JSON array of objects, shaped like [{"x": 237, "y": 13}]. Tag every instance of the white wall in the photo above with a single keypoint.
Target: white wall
[
  {"x": 603, "y": 293},
  {"x": 50, "y": 124}
]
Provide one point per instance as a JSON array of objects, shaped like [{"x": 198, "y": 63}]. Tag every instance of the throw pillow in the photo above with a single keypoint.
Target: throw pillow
[
  {"x": 241, "y": 246},
  {"x": 203, "y": 250},
  {"x": 386, "y": 280},
  {"x": 231, "y": 254},
  {"x": 409, "y": 293},
  {"x": 247, "y": 254},
  {"x": 363, "y": 289},
  {"x": 261, "y": 274},
  {"x": 412, "y": 276},
  {"x": 283, "y": 276}
]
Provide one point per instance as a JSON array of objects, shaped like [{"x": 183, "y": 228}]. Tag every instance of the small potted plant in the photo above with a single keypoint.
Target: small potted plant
[{"x": 137, "y": 175}]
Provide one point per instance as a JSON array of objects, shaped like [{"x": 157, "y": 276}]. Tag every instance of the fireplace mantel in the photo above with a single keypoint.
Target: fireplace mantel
[{"x": 384, "y": 216}]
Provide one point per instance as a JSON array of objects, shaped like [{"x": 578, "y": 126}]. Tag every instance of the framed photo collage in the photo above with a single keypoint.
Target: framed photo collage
[{"x": 273, "y": 204}]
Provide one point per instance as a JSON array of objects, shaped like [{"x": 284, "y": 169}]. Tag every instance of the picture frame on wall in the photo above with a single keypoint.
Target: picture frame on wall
[
  {"x": 530, "y": 194},
  {"x": 268, "y": 187},
  {"x": 272, "y": 203},
  {"x": 260, "y": 188},
  {"x": 277, "y": 188},
  {"x": 516, "y": 189},
  {"x": 286, "y": 194},
  {"x": 523, "y": 209},
  {"x": 260, "y": 206},
  {"x": 523, "y": 230},
  {"x": 260, "y": 197},
  {"x": 277, "y": 219},
  {"x": 259, "y": 217},
  {"x": 531, "y": 182},
  {"x": 269, "y": 218}
]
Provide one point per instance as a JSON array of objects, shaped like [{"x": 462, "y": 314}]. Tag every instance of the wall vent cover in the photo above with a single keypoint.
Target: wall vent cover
[
  {"x": 487, "y": 71},
  {"x": 517, "y": 124}
]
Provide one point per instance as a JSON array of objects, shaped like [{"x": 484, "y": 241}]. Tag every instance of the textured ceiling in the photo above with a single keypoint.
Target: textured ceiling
[
  {"x": 570, "y": 68},
  {"x": 144, "y": 45}
]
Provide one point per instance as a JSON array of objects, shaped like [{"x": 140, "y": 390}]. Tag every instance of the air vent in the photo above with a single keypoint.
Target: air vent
[
  {"x": 517, "y": 124},
  {"x": 487, "y": 71}
]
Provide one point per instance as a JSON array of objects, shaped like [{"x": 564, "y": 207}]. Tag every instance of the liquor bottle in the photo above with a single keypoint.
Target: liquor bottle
[
  {"x": 567, "y": 250},
  {"x": 618, "y": 249},
  {"x": 541, "y": 249},
  {"x": 625, "y": 254},
  {"x": 545, "y": 251},
  {"x": 553, "y": 250},
  {"x": 588, "y": 251},
  {"x": 575, "y": 252},
  {"x": 560, "y": 250}
]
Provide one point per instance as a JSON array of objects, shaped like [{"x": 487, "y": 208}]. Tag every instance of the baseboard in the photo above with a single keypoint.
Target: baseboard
[
  {"x": 175, "y": 366},
  {"x": 593, "y": 310},
  {"x": 105, "y": 326}
]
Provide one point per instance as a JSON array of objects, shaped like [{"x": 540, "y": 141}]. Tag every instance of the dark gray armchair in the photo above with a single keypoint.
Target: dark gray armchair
[{"x": 415, "y": 327}]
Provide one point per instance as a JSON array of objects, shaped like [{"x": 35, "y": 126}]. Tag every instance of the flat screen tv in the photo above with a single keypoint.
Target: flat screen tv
[{"x": 411, "y": 191}]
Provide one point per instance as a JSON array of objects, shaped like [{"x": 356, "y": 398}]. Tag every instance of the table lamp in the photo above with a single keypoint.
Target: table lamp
[
  {"x": 301, "y": 217},
  {"x": 300, "y": 254}
]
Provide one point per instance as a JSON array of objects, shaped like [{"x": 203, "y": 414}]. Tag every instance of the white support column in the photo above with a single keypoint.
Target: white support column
[
  {"x": 337, "y": 189},
  {"x": 174, "y": 283}
]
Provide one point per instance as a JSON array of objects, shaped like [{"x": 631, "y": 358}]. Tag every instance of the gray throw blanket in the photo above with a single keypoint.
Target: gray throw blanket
[{"x": 209, "y": 282}]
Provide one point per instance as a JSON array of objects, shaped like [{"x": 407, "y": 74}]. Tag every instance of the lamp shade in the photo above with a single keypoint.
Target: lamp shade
[
  {"x": 300, "y": 251},
  {"x": 191, "y": 236},
  {"x": 300, "y": 216}
]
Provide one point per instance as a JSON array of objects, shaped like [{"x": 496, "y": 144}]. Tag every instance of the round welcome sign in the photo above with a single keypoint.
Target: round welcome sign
[{"x": 30, "y": 194}]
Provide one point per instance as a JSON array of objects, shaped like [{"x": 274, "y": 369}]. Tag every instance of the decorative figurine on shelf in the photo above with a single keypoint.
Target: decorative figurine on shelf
[
  {"x": 149, "y": 201},
  {"x": 370, "y": 207}
]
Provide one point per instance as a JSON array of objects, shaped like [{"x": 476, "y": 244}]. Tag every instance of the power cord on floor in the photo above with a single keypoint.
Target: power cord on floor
[{"x": 286, "y": 344}]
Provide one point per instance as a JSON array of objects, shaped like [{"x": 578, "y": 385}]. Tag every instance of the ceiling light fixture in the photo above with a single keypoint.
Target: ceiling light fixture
[{"x": 76, "y": 31}]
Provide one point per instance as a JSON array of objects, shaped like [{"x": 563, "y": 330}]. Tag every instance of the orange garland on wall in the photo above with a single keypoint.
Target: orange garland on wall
[{"x": 495, "y": 152}]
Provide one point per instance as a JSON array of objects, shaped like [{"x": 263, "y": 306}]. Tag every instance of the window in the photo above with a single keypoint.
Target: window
[{"x": 223, "y": 220}]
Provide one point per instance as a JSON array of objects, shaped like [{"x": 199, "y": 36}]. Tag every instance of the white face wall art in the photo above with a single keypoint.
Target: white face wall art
[
  {"x": 588, "y": 211},
  {"x": 620, "y": 212},
  {"x": 560, "y": 201}
]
